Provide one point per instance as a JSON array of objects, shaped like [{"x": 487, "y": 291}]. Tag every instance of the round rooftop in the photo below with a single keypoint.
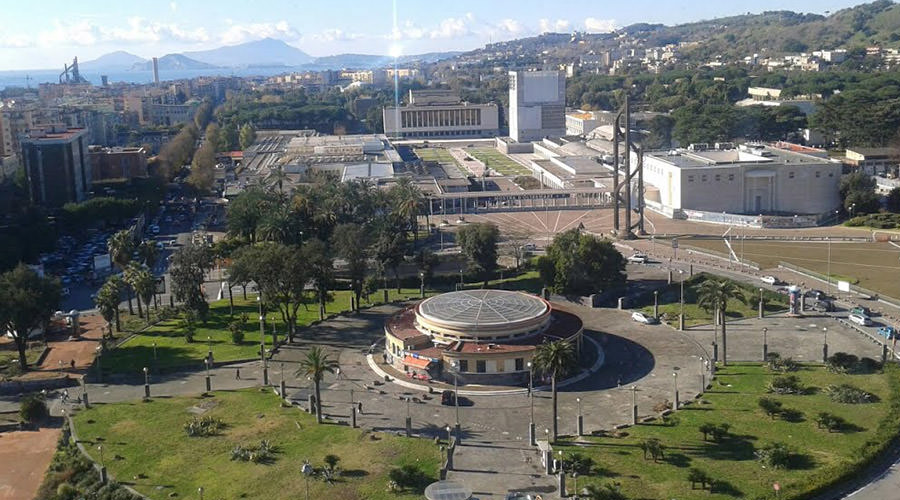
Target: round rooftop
[{"x": 483, "y": 308}]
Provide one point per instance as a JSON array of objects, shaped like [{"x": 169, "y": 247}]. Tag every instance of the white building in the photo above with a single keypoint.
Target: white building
[
  {"x": 537, "y": 105},
  {"x": 747, "y": 180},
  {"x": 440, "y": 113}
]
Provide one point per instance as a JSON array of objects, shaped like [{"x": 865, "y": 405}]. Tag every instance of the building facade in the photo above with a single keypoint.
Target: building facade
[
  {"x": 56, "y": 164},
  {"x": 537, "y": 105},
  {"x": 744, "y": 180},
  {"x": 440, "y": 113},
  {"x": 117, "y": 163}
]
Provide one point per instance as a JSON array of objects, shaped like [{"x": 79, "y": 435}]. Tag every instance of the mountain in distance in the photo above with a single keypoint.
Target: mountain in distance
[
  {"x": 115, "y": 61},
  {"x": 370, "y": 61},
  {"x": 170, "y": 62},
  {"x": 265, "y": 52}
]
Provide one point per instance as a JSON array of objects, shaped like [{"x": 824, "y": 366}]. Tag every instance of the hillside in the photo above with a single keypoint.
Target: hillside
[
  {"x": 118, "y": 60},
  {"x": 172, "y": 62},
  {"x": 265, "y": 52}
]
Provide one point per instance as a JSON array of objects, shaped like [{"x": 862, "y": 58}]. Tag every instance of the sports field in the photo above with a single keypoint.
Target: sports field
[
  {"x": 498, "y": 161},
  {"x": 875, "y": 266}
]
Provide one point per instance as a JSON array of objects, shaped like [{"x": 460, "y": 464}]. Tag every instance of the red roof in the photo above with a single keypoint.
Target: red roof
[{"x": 420, "y": 363}]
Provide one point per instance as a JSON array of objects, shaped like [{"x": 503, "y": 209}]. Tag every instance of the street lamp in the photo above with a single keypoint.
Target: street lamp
[
  {"x": 154, "y": 351},
  {"x": 262, "y": 348},
  {"x": 828, "y": 271},
  {"x": 200, "y": 491},
  {"x": 634, "y": 412},
  {"x": 702, "y": 375},
  {"x": 675, "y": 386},
  {"x": 146, "y": 383},
  {"x": 761, "y": 312},
  {"x": 580, "y": 421},
  {"x": 307, "y": 471},
  {"x": 422, "y": 284},
  {"x": 531, "y": 436},
  {"x": 681, "y": 315},
  {"x": 765, "y": 343},
  {"x": 208, "y": 385},
  {"x": 455, "y": 365},
  {"x": 100, "y": 449},
  {"x": 824, "y": 344}
]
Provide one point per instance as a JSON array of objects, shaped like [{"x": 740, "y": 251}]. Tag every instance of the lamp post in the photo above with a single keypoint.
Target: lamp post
[
  {"x": 824, "y": 344},
  {"x": 146, "y": 383},
  {"x": 675, "y": 388},
  {"x": 307, "y": 471},
  {"x": 408, "y": 417},
  {"x": 422, "y": 285},
  {"x": 531, "y": 437},
  {"x": 681, "y": 314},
  {"x": 765, "y": 344},
  {"x": 200, "y": 492},
  {"x": 828, "y": 271},
  {"x": 702, "y": 374},
  {"x": 84, "y": 393},
  {"x": 460, "y": 278},
  {"x": 562, "y": 475},
  {"x": 154, "y": 351},
  {"x": 99, "y": 350},
  {"x": 262, "y": 348},
  {"x": 455, "y": 365},
  {"x": 208, "y": 384},
  {"x": 209, "y": 348},
  {"x": 761, "y": 311},
  {"x": 579, "y": 423},
  {"x": 100, "y": 450}
]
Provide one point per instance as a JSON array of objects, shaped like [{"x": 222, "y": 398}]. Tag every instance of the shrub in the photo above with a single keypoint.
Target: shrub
[
  {"x": 848, "y": 394},
  {"x": 788, "y": 384},
  {"x": 841, "y": 362},
  {"x": 776, "y": 363},
  {"x": 698, "y": 476},
  {"x": 605, "y": 492},
  {"x": 407, "y": 476},
  {"x": 582, "y": 464},
  {"x": 832, "y": 423},
  {"x": 237, "y": 332},
  {"x": 867, "y": 365},
  {"x": 770, "y": 406},
  {"x": 255, "y": 454},
  {"x": 33, "y": 409},
  {"x": 706, "y": 429},
  {"x": 203, "y": 426},
  {"x": 720, "y": 432},
  {"x": 774, "y": 455},
  {"x": 331, "y": 462}
]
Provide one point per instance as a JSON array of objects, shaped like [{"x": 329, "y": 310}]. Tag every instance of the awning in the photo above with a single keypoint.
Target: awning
[{"x": 420, "y": 363}]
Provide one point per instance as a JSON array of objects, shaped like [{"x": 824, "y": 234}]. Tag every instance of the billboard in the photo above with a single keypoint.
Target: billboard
[
  {"x": 843, "y": 286},
  {"x": 102, "y": 263}
]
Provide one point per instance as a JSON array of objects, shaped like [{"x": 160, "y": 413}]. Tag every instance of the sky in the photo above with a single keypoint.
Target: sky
[{"x": 48, "y": 33}]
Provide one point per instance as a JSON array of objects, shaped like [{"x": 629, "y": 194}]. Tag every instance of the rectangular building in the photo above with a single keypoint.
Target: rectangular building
[
  {"x": 117, "y": 163},
  {"x": 56, "y": 164},
  {"x": 537, "y": 105},
  {"x": 440, "y": 113},
  {"x": 749, "y": 180}
]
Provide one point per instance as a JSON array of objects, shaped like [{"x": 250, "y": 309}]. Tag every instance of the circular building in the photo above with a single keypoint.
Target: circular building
[{"x": 479, "y": 336}]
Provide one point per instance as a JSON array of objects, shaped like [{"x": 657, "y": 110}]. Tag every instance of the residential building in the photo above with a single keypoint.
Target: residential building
[
  {"x": 440, "y": 113},
  {"x": 117, "y": 163},
  {"x": 873, "y": 161},
  {"x": 537, "y": 105},
  {"x": 56, "y": 164}
]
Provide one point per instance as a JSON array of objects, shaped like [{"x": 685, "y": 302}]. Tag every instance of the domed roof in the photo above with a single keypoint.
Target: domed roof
[{"x": 483, "y": 308}]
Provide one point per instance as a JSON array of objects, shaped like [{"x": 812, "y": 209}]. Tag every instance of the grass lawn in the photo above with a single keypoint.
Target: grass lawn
[
  {"x": 819, "y": 456},
  {"x": 439, "y": 155},
  {"x": 172, "y": 350},
  {"x": 670, "y": 303},
  {"x": 498, "y": 161},
  {"x": 9, "y": 357},
  {"x": 871, "y": 265},
  {"x": 145, "y": 446}
]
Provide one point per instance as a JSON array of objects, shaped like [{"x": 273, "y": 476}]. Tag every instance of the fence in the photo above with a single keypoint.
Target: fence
[{"x": 756, "y": 221}]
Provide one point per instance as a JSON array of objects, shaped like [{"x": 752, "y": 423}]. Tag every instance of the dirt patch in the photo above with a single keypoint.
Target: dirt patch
[{"x": 26, "y": 456}]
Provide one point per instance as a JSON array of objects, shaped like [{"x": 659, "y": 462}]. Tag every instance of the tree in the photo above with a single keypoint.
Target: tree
[
  {"x": 107, "y": 301},
  {"x": 698, "y": 476},
  {"x": 407, "y": 202},
  {"x": 144, "y": 284},
  {"x": 188, "y": 271},
  {"x": 715, "y": 294},
  {"x": 120, "y": 247},
  {"x": 131, "y": 278},
  {"x": 578, "y": 263},
  {"x": 202, "y": 176},
  {"x": 246, "y": 212},
  {"x": 770, "y": 406},
  {"x": 605, "y": 492},
  {"x": 426, "y": 261},
  {"x": 555, "y": 359},
  {"x": 27, "y": 301},
  {"x": 479, "y": 245},
  {"x": 320, "y": 266},
  {"x": 351, "y": 243},
  {"x": 390, "y": 246},
  {"x": 892, "y": 202},
  {"x": 706, "y": 429},
  {"x": 858, "y": 194},
  {"x": 314, "y": 366},
  {"x": 148, "y": 253},
  {"x": 248, "y": 136}
]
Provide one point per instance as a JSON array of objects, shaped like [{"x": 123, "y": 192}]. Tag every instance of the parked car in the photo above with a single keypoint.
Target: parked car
[
  {"x": 769, "y": 280},
  {"x": 860, "y": 319},
  {"x": 888, "y": 332},
  {"x": 448, "y": 398},
  {"x": 638, "y": 258},
  {"x": 817, "y": 294},
  {"x": 823, "y": 306},
  {"x": 861, "y": 311},
  {"x": 644, "y": 318}
]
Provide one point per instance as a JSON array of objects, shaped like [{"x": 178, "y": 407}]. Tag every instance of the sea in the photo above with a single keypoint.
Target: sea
[{"x": 17, "y": 78}]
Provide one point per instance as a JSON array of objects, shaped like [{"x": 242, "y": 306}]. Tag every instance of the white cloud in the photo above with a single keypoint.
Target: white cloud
[
  {"x": 558, "y": 26},
  {"x": 15, "y": 42},
  {"x": 510, "y": 26},
  {"x": 136, "y": 30},
  {"x": 595, "y": 25},
  {"x": 239, "y": 33},
  {"x": 140, "y": 30},
  {"x": 452, "y": 27},
  {"x": 334, "y": 35},
  {"x": 173, "y": 6}
]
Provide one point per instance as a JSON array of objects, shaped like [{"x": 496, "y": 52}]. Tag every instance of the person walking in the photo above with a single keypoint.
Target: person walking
[{"x": 237, "y": 373}]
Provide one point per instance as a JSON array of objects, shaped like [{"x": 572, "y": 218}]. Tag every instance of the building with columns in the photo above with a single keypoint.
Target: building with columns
[{"x": 440, "y": 114}]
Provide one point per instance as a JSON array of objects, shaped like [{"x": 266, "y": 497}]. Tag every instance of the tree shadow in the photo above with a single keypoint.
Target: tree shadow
[
  {"x": 732, "y": 448},
  {"x": 801, "y": 461},
  {"x": 792, "y": 416},
  {"x": 725, "y": 488},
  {"x": 354, "y": 473},
  {"x": 679, "y": 460}
]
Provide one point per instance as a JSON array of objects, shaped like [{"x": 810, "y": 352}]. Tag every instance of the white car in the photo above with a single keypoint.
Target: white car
[
  {"x": 860, "y": 319},
  {"x": 769, "y": 280},
  {"x": 644, "y": 318},
  {"x": 638, "y": 258}
]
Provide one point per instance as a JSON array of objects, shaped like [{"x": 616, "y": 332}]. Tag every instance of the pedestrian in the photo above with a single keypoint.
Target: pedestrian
[
  {"x": 359, "y": 407},
  {"x": 237, "y": 374},
  {"x": 72, "y": 364},
  {"x": 65, "y": 397}
]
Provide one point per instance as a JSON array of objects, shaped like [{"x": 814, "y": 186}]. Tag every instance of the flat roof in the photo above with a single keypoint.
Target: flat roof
[
  {"x": 755, "y": 155},
  {"x": 483, "y": 307}
]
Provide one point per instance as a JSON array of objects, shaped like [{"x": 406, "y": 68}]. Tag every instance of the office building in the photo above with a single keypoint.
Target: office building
[
  {"x": 155, "y": 71},
  {"x": 537, "y": 105},
  {"x": 440, "y": 113},
  {"x": 56, "y": 164},
  {"x": 117, "y": 163}
]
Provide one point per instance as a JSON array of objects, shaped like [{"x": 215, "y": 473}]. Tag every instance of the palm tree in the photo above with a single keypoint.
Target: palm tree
[
  {"x": 408, "y": 200},
  {"x": 131, "y": 279},
  {"x": 314, "y": 366},
  {"x": 120, "y": 247},
  {"x": 555, "y": 359},
  {"x": 715, "y": 294},
  {"x": 107, "y": 301},
  {"x": 148, "y": 253},
  {"x": 145, "y": 287}
]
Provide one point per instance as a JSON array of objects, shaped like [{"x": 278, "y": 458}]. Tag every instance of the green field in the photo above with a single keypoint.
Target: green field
[
  {"x": 670, "y": 303},
  {"x": 498, "y": 161},
  {"x": 870, "y": 265},
  {"x": 439, "y": 155},
  {"x": 172, "y": 350},
  {"x": 819, "y": 457},
  {"x": 9, "y": 357},
  {"x": 145, "y": 446}
]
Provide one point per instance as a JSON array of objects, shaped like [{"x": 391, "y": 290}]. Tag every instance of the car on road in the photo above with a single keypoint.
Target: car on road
[
  {"x": 644, "y": 318},
  {"x": 817, "y": 294},
  {"x": 638, "y": 258},
  {"x": 769, "y": 280},
  {"x": 888, "y": 332},
  {"x": 862, "y": 311},
  {"x": 823, "y": 306},
  {"x": 860, "y": 319}
]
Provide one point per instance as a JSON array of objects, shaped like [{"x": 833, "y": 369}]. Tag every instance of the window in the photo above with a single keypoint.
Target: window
[
  {"x": 730, "y": 177},
  {"x": 520, "y": 364},
  {"x": 830, "y": 174},
  {"x": 690, "y": 178},
  {"x": 463, "y": 365},
  {"x": 790, "y": 175},
  {"x": 703, "y": 178},
  {"x": 501, "y": 365},
  {"x": 818, "y": 174},
  {"x": 718, "y": 177},
  {"x": 480, "y": 366}
]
